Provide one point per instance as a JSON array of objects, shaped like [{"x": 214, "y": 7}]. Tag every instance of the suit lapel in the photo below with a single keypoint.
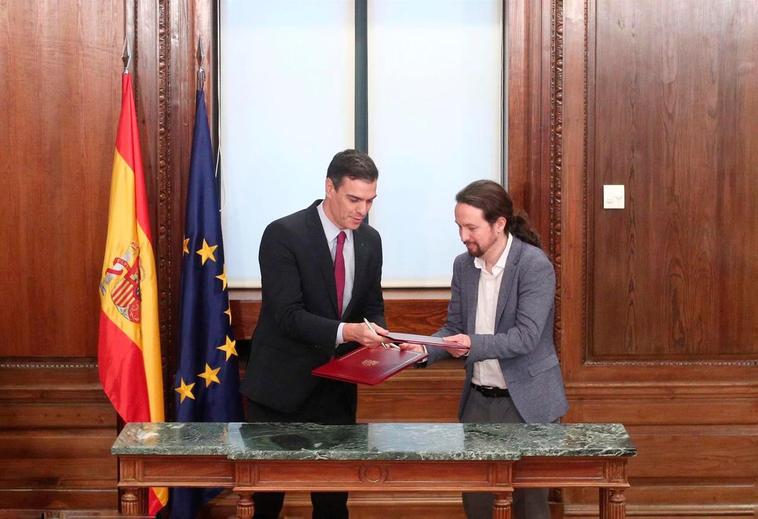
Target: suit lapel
[
  {"x": 471, "y": 286},
  {"x": 322, "y": 256},
  {"x": 509, "y": 276}
]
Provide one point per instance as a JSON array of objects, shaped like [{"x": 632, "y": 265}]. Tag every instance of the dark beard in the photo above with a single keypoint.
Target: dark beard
[{"x": 476, "y": 253}]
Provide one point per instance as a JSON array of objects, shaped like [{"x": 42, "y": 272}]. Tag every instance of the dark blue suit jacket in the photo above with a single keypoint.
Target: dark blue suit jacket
[{"x": 298, "y": 322}]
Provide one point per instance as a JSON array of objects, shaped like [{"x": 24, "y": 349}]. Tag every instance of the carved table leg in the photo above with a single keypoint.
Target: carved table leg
[
  {"x": 130, "y": 502},
  {"x": 245, "y": 505},
  {"x": 612, "y": 503},
  {"x": 502, "y": 507}
]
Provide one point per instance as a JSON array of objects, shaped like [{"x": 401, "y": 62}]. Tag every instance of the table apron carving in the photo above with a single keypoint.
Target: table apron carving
[{"x": 246, "y": 476}]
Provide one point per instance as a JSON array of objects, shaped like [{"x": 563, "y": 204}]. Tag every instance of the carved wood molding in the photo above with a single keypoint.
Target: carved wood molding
[
  {"x": 586, "y": 259},
  {"x": 48, "y": 363},
  {"x": 671, "y": 363},
  {"x": 695, "y": 389},
  {"x": 165, "y": 180},
  {"x": 556, "y": 156},
  {"x": 666, "y": 510}
]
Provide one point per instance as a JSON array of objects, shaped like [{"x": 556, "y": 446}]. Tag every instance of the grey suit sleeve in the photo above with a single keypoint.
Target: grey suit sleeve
[
  {"x": 282, "y": 291},
  {"x": 455, "y": 318},
  {"x": 536, "y": 292}
]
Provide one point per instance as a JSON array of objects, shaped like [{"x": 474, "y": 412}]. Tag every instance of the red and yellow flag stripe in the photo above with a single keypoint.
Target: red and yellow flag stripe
[{"x": 129, "y": 351}]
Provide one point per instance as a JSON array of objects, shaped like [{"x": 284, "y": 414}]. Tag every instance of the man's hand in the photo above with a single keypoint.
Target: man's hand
[
  {"x": 461, "y": 343},
  {"x": 362, "y": 334}
]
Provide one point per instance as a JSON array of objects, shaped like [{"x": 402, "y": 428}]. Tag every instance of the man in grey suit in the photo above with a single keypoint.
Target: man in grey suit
[{"x": 500, "y": 318}]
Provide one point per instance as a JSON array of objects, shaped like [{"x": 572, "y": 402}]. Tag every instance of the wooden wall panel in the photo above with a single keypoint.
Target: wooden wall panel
[
  {"x": 415, "y": 395},
  {"x": 56, "y": 430},
  {"x": 403, "y": 312},
  {"x": 651, "y": 93},
  {"x": 711, "y": 452},
  {"x": 673, "y": 116},
  {"x": 179, "y": 26},
  {"x": 61, "y": 82},
  {"x": 61, "y": 92},
  {"x": 634, "y": 404}
]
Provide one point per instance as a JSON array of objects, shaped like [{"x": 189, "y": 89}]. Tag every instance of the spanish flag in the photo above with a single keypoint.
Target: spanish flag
[{"x": 129, "y": 350}]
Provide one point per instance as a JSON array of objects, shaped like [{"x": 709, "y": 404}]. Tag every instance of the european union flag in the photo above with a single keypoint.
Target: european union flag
[{"x": 207, "y": 378}]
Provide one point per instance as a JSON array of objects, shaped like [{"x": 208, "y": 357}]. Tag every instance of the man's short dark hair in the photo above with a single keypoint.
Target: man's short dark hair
[{"x": 353, "y": 164}]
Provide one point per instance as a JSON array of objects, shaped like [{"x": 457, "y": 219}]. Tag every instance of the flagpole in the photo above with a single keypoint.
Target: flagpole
[
  {"x": 200, "y": 67},
  {"x": 126, "y": 57}
]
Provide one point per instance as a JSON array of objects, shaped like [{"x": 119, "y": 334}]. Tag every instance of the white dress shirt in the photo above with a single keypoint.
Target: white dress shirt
[
  {"x": 331, "y": 232},
  {"x": 488, "y": 372}
]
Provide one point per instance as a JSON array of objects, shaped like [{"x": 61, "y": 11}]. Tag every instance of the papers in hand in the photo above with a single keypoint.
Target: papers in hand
[{"x": 426, "y": 340}]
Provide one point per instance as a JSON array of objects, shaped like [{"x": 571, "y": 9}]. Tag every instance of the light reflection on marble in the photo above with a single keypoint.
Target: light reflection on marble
[
  {"x": 387, "y": 441},
  {"x": 360, "y": 442},
  {"x": 173, "y": 439}
]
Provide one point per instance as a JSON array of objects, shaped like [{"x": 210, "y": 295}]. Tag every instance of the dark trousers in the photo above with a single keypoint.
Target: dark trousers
[
  {"x": 527, "y": 503},
  {"x": 326, "y": 505},
  {"x": 332, "y": 403}
]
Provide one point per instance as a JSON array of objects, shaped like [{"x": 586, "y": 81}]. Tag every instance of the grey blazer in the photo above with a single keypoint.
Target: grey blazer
[{"x": 523, "y": 339}]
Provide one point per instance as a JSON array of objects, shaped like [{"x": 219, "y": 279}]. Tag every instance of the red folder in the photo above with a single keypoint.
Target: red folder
[{"x": 368, "y": 365}]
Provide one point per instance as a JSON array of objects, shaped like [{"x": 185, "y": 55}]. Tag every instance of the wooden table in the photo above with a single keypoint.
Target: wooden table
[{"x": 494, "y": 458}]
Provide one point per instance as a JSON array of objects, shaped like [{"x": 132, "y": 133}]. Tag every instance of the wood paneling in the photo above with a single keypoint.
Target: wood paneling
[
  {"x": 654, "y": 331},
  {"x": 682, "y": 498},
  {"x": 660, "y": 405},
  {"x": 415, "y": 395},
  {"x": 61, "y": 86},
  {"x": 56, "y": 430},
  {"x": 61, "y": 94},
  {"x": 673, "y": 116},
  {"x": 710, "y": 452},
  {"x": 418, "y": 315},
  {"x": 179, "y": 25}
]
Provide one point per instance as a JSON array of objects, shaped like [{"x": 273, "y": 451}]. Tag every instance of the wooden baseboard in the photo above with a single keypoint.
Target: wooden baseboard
[
  {"x": 668, "y": 511},
  {"x": 66, "y": 514},
  {"x": 368, "y": 505}
]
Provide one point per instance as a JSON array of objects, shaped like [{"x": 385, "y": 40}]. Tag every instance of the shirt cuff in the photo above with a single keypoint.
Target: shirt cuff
[{"x": 339, "y": 334}]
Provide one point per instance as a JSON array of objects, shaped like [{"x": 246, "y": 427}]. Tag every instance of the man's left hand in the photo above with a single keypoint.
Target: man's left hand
[{"x": 462, "y": 344}]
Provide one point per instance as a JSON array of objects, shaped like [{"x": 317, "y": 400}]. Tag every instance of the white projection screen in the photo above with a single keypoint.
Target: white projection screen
[{"x": 287, "y": 104}]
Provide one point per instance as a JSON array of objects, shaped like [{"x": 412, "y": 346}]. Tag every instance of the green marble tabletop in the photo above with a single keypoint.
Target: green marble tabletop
[{"x": 386, "y": 441}]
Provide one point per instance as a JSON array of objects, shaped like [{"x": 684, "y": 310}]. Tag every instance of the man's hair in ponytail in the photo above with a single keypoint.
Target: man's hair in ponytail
[{"x": 494, "y": 202}]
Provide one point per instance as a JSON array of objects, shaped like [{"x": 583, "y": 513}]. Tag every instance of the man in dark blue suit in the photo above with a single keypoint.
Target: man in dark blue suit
[{"x": 321, "y": 273}]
